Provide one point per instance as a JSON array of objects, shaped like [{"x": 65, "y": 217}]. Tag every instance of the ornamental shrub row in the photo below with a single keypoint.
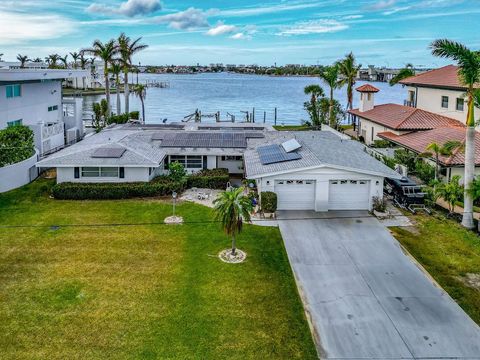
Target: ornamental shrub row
[
  {"x": 112, "y": 191},
  {"x": 209, "y": 179},
  {"x": 123, "y": 118}
]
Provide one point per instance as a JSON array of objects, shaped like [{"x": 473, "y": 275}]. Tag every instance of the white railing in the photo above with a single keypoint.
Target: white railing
[{"x": 51, "y": 130}]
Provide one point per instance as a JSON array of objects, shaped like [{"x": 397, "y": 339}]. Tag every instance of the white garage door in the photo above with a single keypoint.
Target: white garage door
[
  {"x": 349, "y": 195},
  {"x": 295, "y": 194}
]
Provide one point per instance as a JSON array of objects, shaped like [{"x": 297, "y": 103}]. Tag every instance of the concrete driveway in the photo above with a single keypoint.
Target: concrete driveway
[{"x": 365, "y": 298}]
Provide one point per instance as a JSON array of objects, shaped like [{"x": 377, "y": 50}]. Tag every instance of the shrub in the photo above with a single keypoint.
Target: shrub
[
  {"x": 16, "y": 144},
  {"x": 424, "y": 171},
  {"x": 135, "y": 115},
  {"x": 406, "y": 158},
  {"x": 112, "y": 191},
  {"x": 176, "y": 171},
  {"x": 209, "y": 179},
  {"x": 269, "y": 201},
  {"x": 123, "y": 118},
  {"x": 381, "y": 144},
  {"x": 379, "y": 204}
]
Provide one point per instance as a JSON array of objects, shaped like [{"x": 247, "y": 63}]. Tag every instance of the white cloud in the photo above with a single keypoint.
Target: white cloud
[
  {"x": 221, "y": 29},
  {"x": 382, "y": 5},
  {"x": 352, "y": 17},
  {"x": 261, "y": 10},
  {"x": 191, "y": 18},
  {"x": 129, "y": 8},
  {"x": 240, "y": 36},
  {"x": 21, "y": 27},
  {"x": 314, "y": 27}
]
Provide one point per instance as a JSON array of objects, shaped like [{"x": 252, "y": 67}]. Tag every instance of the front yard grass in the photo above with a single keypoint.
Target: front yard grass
[
  {"x": 450, "y": 254},
  {"x": 140, "y": 291}
]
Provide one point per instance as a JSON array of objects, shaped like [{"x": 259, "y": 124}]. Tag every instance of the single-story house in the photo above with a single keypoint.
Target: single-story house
[
  {"x": 450, "y": 165},
  {"x": 312, "y": 170}
]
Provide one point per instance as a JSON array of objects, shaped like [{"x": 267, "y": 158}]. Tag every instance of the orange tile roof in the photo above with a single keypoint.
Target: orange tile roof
[
  {"x": 418, "y": 142},
  {"x": 399, "y": 117},
  {"x": 444, "y": 77},
  {"x": 367, "y": 88}
]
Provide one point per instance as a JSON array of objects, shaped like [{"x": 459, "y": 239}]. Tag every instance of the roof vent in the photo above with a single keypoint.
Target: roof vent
[{"x": 291, "y": 145}]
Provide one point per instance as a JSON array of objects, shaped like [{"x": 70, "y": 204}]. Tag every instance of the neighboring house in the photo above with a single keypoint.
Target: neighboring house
[
  {"x": 93, "y": 77},
  {"x": 317, "y": 171},
  {"x": 33, "y": 97},
  {"x": 397, "y": 119},
  {"x": 439, "y": 91}
]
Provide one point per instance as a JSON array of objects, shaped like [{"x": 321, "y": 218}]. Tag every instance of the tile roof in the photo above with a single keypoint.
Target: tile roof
[
  {"x": 399, "y": 117},
  {"x": 418, "y": 142},
  {"x": 367, "y": 88},
  {"x": 444, "y": 77}
]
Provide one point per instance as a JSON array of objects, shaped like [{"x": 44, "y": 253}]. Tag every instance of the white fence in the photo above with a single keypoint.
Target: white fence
[{"x": 19, "y": 174}]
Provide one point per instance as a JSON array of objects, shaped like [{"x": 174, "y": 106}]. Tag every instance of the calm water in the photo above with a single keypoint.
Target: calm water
[{"x": 234, "y": 93}]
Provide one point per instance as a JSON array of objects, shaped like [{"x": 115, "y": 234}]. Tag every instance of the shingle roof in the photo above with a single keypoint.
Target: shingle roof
[
  {"x": 367, "y": 88},
  {"x": 418, "y": 142},
  {"x": 319, "y": 148},
  {"x": 444, "y": 77},
  {"x": 399, "y": 117}
]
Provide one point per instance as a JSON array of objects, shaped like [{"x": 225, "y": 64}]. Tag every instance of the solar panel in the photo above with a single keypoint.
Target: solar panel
[
  {"x": 205, "y": 140},
  {"x": 272, "y": 154},
  {"x": 291, "y": 145},
  {"x": 106, "y": 152}
]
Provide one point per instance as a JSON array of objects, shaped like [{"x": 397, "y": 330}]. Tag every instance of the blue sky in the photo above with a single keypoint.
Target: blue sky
[{"x": 380, "y": 32}]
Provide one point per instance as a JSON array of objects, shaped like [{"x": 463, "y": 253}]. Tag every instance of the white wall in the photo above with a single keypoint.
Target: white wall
[
  {"x": 322, "y": 176},
  {"x": 19, "y": 174},
  {"x": 366, "y": 128},
  {"x": 234, "y": 167},
  {"x": 66, "y": 174},
  {"x": 32, "y": 105}
]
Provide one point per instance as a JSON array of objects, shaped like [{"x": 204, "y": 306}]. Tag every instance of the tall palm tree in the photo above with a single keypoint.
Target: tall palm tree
[
  {"x": 116, "y": 69},
  {"x": 141, "y": 91},
  {"x": 106, "y": 52},
  {"x": 128, "y": 48},
  {"x": 37, "y": 60},
  {"x": 468, "y": 62},
  {"x": 64, "y": 60},
  {"x": 23, "y": 60},
  {"x": 439, "y": 149},
  {"x": 232, "y": 208},
  {"x": 75, "y": 57},
  {"x": 315, "y": 91},
  {"x": 349, "y": 68},
  {"x": 404, "y": 73},
  {"x": 330, "y": 76},
  {"x": 52, "y": 60},
  {"x": 83, "y": 63}
]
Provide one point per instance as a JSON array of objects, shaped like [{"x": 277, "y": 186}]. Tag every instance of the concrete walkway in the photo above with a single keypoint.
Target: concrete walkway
[{"x": 365, "y": 298}]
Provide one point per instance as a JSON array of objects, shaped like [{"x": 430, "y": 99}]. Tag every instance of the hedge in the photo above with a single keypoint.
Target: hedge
[
  {"x": 269, "y": 201},
  {"x": 123, "y": 118},
  {"x": 16, "y": 144},
  {"x": 112, "y": 191},
  {"x": 209, "y": 179}
]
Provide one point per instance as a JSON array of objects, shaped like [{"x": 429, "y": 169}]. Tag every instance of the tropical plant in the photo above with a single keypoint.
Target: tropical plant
[
  {"x": 141, "y": 91},
  {"x": 83, "y": 63},
  {"x": 468, "y": 62},
  {"x": 232, "y": 208},
  {"x": 64, "y": 60},
  {"x": 16, "y": 144},
  {"x": 75, "y": 56},
  {"x": 330, "y": 76},
  {"x": 23, "y": 60},
  {"x": 37, "y": 60},
  {"x": 176, "y": 171},
  {"x": 97, "y": 116},
  {"x": 127, "y": 49},
  {"x": 451, "y": 192},
  {"x": 404, "y": 73},
  {"x": 312, "y": 107},
  {"x": 106, "y": 52},
  {"x": 438, "y": 149},
  {"x": 116, "y": 69},
  {"x": 52, "y": 61},
  {"x": 348, "y": 69}
]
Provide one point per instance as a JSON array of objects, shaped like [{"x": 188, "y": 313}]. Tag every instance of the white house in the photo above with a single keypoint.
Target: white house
[
  {"x": 33, "y": 97},
  {"x": 311, "y": 170}
]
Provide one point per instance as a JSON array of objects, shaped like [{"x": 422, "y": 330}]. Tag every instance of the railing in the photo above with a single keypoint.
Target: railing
[
  {"x": 409, "y": 103},
  {"x": 48, "y": 131}
]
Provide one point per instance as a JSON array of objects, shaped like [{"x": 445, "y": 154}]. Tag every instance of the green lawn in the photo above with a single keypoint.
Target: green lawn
[
  {"x": 448, "y": 252},
  {"x": 292, "y": 127},
  {"x": 140, "y": 291}
]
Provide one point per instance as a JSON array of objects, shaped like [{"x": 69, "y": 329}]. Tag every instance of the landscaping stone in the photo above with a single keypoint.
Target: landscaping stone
[{"x": 226, "y": 256}]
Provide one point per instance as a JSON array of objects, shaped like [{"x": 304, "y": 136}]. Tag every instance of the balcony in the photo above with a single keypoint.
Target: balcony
[
  {"x": 52, "y": 130},
  {"x": 409, "y": 103}
]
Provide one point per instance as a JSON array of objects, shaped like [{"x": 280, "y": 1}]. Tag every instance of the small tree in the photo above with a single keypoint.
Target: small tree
[
  {"x": 445, "y": 150},
  {"x": 176, "y": 171},
  {"x": 97, "y": 116},
  {"x": 141, "y": 92},
  {"x": 451, "y": 192},
  {"x": 232, "y": 208},
  {"x": 312, "y": 107}
]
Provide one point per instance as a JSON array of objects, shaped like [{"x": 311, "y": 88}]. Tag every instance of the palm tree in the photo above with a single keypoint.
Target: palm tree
[
  {"x": 330, "y": 76},
  {"x": 83, "y": 64},
  {"x": 315, "y": 91},
  {"x": 128, "y": 48},
  {"x": 37, "y": 60},
  {"x": 468, "y": 62},
  {"x": 438, "y": 149},
  {"x": 141, "y": 91},
  {"x": 451, "y": 192},
  {"x": 106, "y": 52},
  {"x": 404, "y": 73},
  {"x": 23, "y": 60},
  {"x": 232, "y": 208},
  {"x": 52, "y": 60},
  {"x": 64, "y": 60},
  {"x": 116, "y": 69},
  {"x": 75, "y": 57},
  {"x": 348, "y": 68}
]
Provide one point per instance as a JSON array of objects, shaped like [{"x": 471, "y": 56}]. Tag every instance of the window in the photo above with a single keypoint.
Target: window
[
  {"x": 460, "y": 104},
  {"x": 100, "y": 172},
  {"x": 189, "y": 161},
  {"x": 53, "y": 108},
  {"x": 411, "y": 95},
  {"x": 14, "y": 123},
  {"x": 232, "y": 158},
  {"x": 13, "y": 90},
  {"x": 445, "y": 102}
]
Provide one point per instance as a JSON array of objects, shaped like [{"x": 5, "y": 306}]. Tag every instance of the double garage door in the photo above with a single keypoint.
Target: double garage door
[{"x": 343, "y": 194}]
